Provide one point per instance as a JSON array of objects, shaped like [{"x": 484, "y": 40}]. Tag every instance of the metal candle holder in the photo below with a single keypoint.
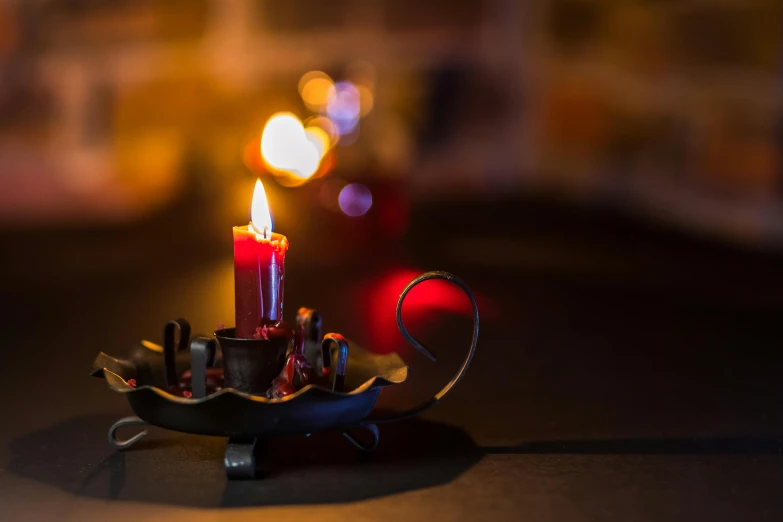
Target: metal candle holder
[{"x": 223, "y": 396}]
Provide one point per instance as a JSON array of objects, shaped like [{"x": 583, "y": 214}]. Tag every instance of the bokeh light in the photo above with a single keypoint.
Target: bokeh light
[
  {"x": 281, "y": 141},
  {"x": 315, "y": 88},
  {"x": 326, "y": 125},
  {"x": 287, "y": 148},
  {"x": 379, "y": 299},
  {"x": 309, "y": 160},
  {"x": 365, "y": 99},
  {"x": 319, "y": 138},
  {"x": 342, "y": 104},
  {"x": 344, "y": 107},
  {"x": 355, "y": 200}
]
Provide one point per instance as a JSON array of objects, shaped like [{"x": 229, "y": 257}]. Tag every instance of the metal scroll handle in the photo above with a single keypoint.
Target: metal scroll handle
[{"x": 456, "y": 281}]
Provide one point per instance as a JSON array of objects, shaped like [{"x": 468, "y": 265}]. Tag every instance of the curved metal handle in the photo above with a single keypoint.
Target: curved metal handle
[{"x": 456, "y": 281}]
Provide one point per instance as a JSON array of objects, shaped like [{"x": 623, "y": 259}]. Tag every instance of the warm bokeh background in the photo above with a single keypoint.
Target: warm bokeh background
[
  {"x": 599, "y": 146},
  {"x": 593, "y": 155},
  {"x": 112, "y": 112},
  {"x": 605, "y": 174}
]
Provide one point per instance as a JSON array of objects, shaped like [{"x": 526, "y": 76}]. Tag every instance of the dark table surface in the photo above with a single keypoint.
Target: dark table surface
[{"x": 623, "y": 373}]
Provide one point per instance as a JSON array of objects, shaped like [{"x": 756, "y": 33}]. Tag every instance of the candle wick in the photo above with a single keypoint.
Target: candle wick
[{"x": 266, "y": 232}]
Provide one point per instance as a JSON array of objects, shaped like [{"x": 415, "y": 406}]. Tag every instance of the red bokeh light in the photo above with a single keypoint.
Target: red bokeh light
[{"x": 381, "y": 295}]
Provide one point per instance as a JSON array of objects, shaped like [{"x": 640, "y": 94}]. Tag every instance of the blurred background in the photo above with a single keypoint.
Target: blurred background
[
  {"x": 605, "y": 174},
  {"x": 668, "y": 110}
]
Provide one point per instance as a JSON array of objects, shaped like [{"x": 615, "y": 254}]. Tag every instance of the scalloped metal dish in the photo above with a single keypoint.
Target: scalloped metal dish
[{"x": 229, "y": 412}]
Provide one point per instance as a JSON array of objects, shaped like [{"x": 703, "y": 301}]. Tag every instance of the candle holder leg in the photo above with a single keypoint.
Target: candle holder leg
[
  {"x": 240, "y": 458},
  {"x": 362, "y": 445},
  {"x": 127, "y": 443}
]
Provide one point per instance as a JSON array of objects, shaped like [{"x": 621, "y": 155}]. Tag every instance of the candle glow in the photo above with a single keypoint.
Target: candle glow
[
  {"x": 259, "y": 270},
  {"x": 260, "y": 218}
]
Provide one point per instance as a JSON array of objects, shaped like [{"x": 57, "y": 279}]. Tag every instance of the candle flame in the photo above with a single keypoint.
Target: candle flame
[{"x": 260, "y": 219}]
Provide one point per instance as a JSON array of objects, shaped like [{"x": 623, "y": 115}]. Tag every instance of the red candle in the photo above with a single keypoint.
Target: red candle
[{"x": 259, "y": 268}]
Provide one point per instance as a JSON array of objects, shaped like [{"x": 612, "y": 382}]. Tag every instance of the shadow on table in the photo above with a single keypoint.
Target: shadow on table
[
  {"x": 647, "y": 446},
  {"x": 181, "y": 469}
]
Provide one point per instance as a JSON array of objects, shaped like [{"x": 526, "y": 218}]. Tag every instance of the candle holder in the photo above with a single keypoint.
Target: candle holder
[
  {"x": 191, "y": 386},
  {"x": 250, "y": 365}
]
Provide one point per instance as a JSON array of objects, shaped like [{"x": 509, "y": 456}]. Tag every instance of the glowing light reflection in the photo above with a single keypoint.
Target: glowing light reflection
[
  {"x": 286, "y": 146},
  {"x": 320, "y": 140},
  {"x": 280, "y": 141},
  {"x": 260, "y": 218},
  {"x": 344, "y": 106},
  {"x": 365, "y": 100},
  {"x": 380, "y": 298},
  {"x": 314, "y": 87},
  {"x": 355, "y": 200},
  {"x": 326, "y": 125}
]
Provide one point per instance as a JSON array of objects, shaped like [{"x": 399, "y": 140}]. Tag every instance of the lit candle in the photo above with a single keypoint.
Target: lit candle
[{"x": 259, "y": 267}]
